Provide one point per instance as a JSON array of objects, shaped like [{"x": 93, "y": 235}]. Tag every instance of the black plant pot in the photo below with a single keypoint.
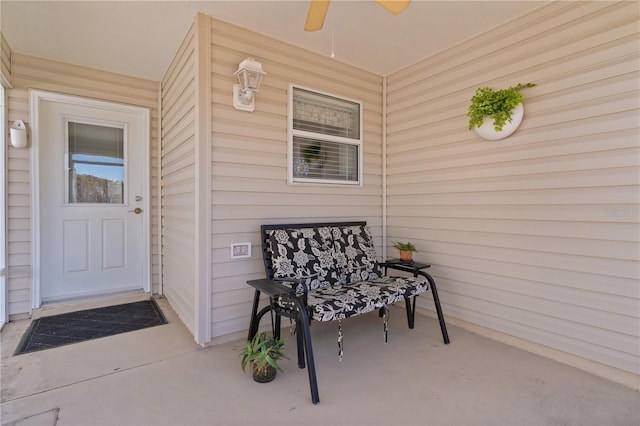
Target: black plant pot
[{"x": 264, "y": 376}]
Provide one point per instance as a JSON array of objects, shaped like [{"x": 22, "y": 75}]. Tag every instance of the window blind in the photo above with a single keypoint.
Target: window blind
[
  {"x": 317, "y": 159},
  {"x": 325, "y": 139}
]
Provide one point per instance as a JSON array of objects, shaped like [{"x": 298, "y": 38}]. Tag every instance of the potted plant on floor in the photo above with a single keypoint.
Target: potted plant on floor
[
  {"x": 406, "y": 250},
  {"x": 500, "y": 111},
  {"x": 262, "y": 353}
]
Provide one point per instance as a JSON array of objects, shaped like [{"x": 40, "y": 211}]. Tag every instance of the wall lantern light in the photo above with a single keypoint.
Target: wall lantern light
[{"x": 249, "y": 76}]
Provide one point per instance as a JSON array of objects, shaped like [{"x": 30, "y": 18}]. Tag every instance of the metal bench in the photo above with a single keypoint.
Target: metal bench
[{"x": 327, "y": 272}]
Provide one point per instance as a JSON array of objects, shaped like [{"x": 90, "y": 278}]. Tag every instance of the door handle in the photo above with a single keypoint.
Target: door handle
[{"x": 137, "y": 210}]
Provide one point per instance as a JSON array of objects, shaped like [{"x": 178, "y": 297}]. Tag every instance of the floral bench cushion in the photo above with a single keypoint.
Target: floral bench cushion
[
  {"x": 306, "y": 254},
  {"x": 355, "y": 254},
  {"x": 338, "y": 268},
  {"x": 344, "y": 301}
]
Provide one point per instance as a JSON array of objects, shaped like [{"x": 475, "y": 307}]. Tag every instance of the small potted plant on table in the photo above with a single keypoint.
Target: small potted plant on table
[
  {"x": 406, "y": 250},
  {"x": 262, "y": 353}
]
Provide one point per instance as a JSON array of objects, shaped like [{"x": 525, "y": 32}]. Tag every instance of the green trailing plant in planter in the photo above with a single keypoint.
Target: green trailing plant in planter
[
  {"x": 406, "y": 250},
  {"x": 262, "y": 354},
  {"x": 497, "y": 104}
]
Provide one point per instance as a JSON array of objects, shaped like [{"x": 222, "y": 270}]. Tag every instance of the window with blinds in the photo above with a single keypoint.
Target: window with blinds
[{"x": 325, "y": 142}]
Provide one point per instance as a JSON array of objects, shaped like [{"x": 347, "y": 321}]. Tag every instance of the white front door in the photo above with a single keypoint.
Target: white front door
[{"x": 92, "y": 189}]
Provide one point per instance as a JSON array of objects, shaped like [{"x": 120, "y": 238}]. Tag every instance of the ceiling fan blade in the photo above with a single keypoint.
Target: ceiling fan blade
[
  {"x": 394, "y": 6},
  {"x": 316, "y": 15}
]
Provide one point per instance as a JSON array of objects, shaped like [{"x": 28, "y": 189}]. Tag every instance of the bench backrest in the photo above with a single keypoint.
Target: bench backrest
[{"x": 319, "y": 254}]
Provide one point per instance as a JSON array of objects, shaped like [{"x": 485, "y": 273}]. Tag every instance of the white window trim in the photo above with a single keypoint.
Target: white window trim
[{"x": 329, "y": 138}]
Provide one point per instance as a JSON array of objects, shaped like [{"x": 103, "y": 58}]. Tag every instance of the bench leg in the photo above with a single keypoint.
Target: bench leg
[
  {"x": 256, "y": 316},
  {"x": 255, "y": 320},
  {"x": 277, "y": 326},
  {"x": 300, "y": 344},
  {"x": 306, "y": 334},
  {"x": 436, "y": 301},
  {"x": 410, "y": 304}
]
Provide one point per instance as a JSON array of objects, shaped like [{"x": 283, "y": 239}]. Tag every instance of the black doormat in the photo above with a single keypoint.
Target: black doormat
[{"x": 64, "y": 329}]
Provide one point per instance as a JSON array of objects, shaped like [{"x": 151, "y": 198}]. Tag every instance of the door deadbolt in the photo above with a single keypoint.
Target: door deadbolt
[
  {"x": 137, "y": 210},
  {"x": 138, "y": 198}
]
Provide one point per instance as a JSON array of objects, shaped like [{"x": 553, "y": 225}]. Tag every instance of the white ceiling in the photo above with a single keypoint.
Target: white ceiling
[{"x": 139, "y": 38}]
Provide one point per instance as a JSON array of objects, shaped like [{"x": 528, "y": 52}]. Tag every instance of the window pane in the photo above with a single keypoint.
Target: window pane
[
  {"x": 316, "y": 159},
  {"x": 96, "y": 164},
  {"x": 315, "y": 112}
]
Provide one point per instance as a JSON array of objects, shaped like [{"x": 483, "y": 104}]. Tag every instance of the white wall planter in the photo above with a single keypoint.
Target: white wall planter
[
  {"x": 488, "y": 132},
  {"x": 18, "y": 134}
]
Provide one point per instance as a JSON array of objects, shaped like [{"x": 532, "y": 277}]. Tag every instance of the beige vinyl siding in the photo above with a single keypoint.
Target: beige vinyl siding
[
  {"x": 535, "y": 236},
  {"x": 5, "y": 62},
  {"x": 37, "y": 73},
  {"x": 249, "y": 161},
  {"x": 179, "y": 181}
]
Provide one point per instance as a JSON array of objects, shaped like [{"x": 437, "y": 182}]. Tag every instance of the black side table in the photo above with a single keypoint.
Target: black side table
[{"x": 416, "y": 268}]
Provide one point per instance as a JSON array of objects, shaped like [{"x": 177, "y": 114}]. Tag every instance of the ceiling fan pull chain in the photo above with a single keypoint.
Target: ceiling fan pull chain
[{"x": 333, "y": 54}]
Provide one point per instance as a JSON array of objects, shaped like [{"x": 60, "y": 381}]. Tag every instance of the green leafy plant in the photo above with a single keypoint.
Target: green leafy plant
[
  {"x": 497, "y": 104},
  {"x": 312, "y": 152},
  {"x": 262, "y": 351},
  {"x": 404, "y": 246}
]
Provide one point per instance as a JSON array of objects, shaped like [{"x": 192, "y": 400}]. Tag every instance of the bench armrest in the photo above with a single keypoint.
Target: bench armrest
[
  {"x": 411, "y": 267},
  {"x": 276, "y": 290},
  {"x": 272, "y": 288}
]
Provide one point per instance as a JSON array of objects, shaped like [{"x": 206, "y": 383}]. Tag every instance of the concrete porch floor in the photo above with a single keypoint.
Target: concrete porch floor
[{"x": 159, "y": 376}]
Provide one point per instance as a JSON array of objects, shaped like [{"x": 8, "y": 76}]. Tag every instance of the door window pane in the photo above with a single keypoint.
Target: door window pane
[{"x": 96, "y": 164}]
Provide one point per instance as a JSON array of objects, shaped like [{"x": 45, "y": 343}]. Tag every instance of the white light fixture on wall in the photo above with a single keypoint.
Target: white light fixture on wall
[{"x": 249, "y": 76}]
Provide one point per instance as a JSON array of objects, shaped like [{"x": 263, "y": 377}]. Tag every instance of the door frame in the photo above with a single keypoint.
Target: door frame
[
  {"x": 4, "y": 293},
  {"x": 37, "y": 96}
]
